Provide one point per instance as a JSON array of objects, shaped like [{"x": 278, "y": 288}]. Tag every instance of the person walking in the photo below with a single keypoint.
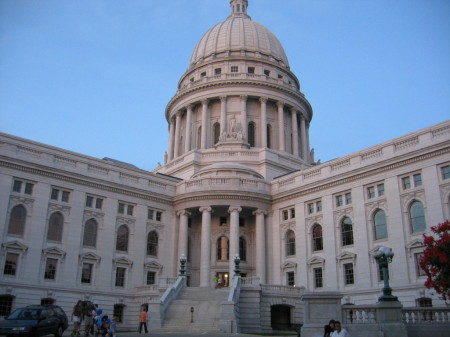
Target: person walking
[
  {"x": 143, "y": 318},
  {"x": 339, "y": 331}
]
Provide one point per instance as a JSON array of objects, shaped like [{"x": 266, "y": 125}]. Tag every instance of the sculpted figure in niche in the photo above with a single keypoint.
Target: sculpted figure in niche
[{"x": 235, "y": 129}]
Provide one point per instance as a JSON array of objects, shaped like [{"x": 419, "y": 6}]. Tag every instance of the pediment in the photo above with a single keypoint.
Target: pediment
[
  {"x": 53, "y": 251},
  {"x": 289, "y": 264},
  {"x": 416, "y": 243},
  {"x": 90, "y": 256},
  {"x": 346, "y": 256},
  {"x": 123, "y": 260},
  {"x": 316, "y": 260},
  {"x": 153, "y": 265},
  {"x": 14, "y": 245}
]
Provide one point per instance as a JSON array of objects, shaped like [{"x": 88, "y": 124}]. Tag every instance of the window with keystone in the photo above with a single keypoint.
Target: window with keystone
[
  {"x": 380, "y": 225},
  {"x": 417, "y": 217},
  {"x": 347, "y": 231},
  {"x": 17, "y": 220}
]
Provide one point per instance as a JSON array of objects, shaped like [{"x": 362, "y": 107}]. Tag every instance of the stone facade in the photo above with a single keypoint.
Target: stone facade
[{"x": 239, "y": 179}]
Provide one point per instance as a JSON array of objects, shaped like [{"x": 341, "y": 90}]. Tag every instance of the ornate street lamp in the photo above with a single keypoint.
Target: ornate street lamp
[
  {"x": 237, "y": 270},
  {"x": 384, "y": 256},
  {"x": 182, "y": 265}
]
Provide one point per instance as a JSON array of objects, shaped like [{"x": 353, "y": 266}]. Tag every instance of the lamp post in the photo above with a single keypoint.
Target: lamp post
[
  {"x": 182, "y": 265},
  {"x": 384, "y": 256},
  {"x": 237, "y": 269}
]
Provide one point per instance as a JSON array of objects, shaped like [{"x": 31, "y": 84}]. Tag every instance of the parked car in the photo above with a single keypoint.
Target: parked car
[{"x": 35, "y": 321}]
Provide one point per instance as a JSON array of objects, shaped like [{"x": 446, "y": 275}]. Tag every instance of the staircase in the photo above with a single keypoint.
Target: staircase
[{"x": 207, "y": 309}]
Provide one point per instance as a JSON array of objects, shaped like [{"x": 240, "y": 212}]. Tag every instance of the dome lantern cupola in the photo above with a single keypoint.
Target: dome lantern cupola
[{"x": 239, "y": 8}]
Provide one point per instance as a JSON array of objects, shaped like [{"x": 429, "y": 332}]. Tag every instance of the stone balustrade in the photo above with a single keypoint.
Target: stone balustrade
[
  {"x": 224, "y": 183},
  {"x": 358, "y": 314},
  {"x": 426, "y": 315}
]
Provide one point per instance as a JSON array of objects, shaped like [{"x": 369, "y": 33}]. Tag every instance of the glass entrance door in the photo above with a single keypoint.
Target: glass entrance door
[{"x": 223, "y": 279}]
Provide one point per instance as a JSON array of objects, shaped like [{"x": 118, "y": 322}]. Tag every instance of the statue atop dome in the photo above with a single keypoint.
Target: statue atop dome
[{"x": 239, "y": 8}]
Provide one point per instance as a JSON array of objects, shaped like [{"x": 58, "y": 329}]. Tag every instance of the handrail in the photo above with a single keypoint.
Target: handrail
[{"x": 170, "y": 294}]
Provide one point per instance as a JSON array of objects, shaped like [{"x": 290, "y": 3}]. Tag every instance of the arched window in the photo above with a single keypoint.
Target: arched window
[
  {"x": 251, "y": 134},
  {"x": 216, "y": 132},
  {"x": 152, "y": 243},
  {"x": 17, "y": 220},
  {"x": 242, "y": 249},
  {"x": 199, "y": 138},
  {"x": 417, "y": 217},
  {"x": 380, "y": 226},
  {"x": 347, "y": 231},
  {"x": 317, "y": 237},
  {"x": 90, "y": 233},
  {"x": 223, "y": 248},
  {"x": 290, "y": 243},
  {"x": 122, "y": 238},
  {"x": 55, "y": 227},
  {"x": 269, "y": 136}
]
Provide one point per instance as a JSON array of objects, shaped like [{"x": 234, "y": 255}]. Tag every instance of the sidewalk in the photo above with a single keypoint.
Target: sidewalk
[{"x": 184, "y": 334}]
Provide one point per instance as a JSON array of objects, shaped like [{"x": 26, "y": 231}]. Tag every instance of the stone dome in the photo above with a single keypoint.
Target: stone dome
[{"x": 239, "y": 33}]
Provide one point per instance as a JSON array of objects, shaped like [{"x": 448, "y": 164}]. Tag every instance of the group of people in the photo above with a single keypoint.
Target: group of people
[
  {"x": 94, "y": 320},
  {"x": 334, "y": 329}
]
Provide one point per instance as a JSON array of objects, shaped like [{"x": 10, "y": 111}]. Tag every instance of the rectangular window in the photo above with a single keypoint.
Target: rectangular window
[
  {"x": 371, "y": 192},
  {"x": 86, "y": 273},
  {"x": 217, "y": 71},
  {"x": 55, "y": 194},
  {"x": 319, "y": 206},
  {"x": 28, "y": 188},
  {"x": 89, "y": 201},
  {"x": 98, "y": 203},
  {"x": 419, "y": 271},
  {"x": 130, "y": 210},
  {"x": 406, "y": 183},
  {"x": 50, "y": 269},
  {"x": 251, "y": 70},
  {"x": 349, "y": 277},
  {"x": 285, "y": 215},
  {"x": 318, "y": 281},
  {"x": 348, "y": 198},
  {"x": 120, "y": 276},
  {"x": 292, "y": 213},
  {"x": 121, "y": 209},
  {"x": 339, "y": 200},
  {"x": 223, "y": 221},
  {"x": 241, "y": 222},
  {"x": 17, "y": 186},
  {"x": 158, "y": 216},
  {"x": 280, "y": 76},
  {"x": 65, "y": 196},
  {"x": 445, "y": 170},
  {"x": 380, "y": 189},
  {"x": 203, "y": 74},
  {"x": 310, "y": 208},
  {"x": 234, "y": 69},
  {"x": 11, "y": 264},
  {"x": 150, "y": 213},
  {"x": 290, "y": 278},
  {"x": 266, "y": 72},
  {"x": 118, "y": 312},
  {"x": 151, "y": 277},
  {"x": 417, "y": 179}
]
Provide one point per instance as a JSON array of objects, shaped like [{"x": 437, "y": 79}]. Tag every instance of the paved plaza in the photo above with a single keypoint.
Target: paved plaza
[{"x": 186, "y": 334}]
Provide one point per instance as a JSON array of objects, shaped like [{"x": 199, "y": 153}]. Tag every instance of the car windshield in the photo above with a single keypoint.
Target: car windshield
[{"x": 25, "y": 314}]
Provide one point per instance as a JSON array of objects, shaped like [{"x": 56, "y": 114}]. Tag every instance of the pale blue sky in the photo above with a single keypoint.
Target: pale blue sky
[{"x": 94, "y": 76}]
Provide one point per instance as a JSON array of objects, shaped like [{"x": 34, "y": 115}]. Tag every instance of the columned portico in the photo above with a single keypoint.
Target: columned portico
[
  {"x": 234, "y": 235},
  {"x": 260, "y": 245},
  {"x": 205, "y": 253}
]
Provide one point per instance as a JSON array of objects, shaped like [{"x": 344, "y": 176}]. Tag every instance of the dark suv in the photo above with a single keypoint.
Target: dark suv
[{"x": 35, "y": 321}]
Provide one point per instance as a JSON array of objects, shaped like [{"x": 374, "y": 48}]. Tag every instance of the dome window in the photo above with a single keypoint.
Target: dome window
[
  {"x": 234, "y": 69},
  {"x": 217, "y": 71},
  {"x": 266, "y": 72},
  {"x": 280, "y": 76},
  {"x": 203, "y": 74},
  {"x": 251, "y": 70},
  {"x": 192, "y": 79}
]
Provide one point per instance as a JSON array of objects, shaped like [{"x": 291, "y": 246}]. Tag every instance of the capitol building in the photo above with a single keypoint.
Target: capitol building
[{"x": 239, "y": 179}]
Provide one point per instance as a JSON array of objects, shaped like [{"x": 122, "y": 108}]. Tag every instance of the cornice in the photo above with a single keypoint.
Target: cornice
[
  {"x": 351, "y": 176},
  {"x": 201, "y": 196},
  {"x": 94, "y": 183}
]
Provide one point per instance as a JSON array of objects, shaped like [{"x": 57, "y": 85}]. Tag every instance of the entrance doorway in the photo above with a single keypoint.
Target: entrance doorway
[
  {"x": 224, "y": 279},
  {"x": 280, "y": 317}
]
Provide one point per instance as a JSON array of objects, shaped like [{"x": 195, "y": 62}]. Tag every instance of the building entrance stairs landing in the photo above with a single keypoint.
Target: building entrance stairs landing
[{"x": 207, "y": 310}]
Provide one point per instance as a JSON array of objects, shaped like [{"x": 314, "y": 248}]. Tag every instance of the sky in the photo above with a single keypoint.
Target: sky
[{"x": 95, "y": 76}]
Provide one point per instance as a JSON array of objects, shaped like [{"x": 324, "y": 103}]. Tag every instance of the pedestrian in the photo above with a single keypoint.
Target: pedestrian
[
  {"x": 329, "y": 328},
  {"x": 339, "y": 331},
  {"x": 143, "y": 317},
  {"x": 76, "y": 318},
  {"x": 112, "y": 327}
]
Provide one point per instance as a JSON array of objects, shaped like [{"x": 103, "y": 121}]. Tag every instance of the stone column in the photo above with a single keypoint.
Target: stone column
[
  {"x": 176, "y": 152},
  {"x": 294, "y": 132},
  {"x": 204, "y": 122},
  {"x": 188, "y": 136},
  {"x": 234, "y": 236},
  {"x": 171, "y": 139},
  {"x": 205, "y": 249},
  {"x": 244, "y": 116},
  {"x": 308, "y": 150},
  {"x": 263, "y": 126},
  {"x": 303, "y": 138},
  {"x": 260, "y": 245},
  {"x": 223, "y": 114},
  {"x": 281, "y": 145},
  {"x": 183, "y": 234}
]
